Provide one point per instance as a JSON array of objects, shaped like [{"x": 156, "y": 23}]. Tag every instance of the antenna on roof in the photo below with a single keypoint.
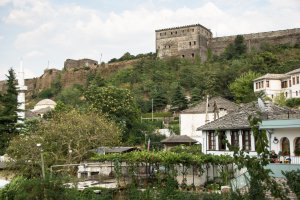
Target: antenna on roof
[{"x": 261, "y": 104}]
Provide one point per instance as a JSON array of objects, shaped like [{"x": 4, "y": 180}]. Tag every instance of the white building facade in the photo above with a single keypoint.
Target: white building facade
[
  {"x": 283, "y": 135},
  {"x": 274, "y": 84},
  {"x": 202, "y": 113}
]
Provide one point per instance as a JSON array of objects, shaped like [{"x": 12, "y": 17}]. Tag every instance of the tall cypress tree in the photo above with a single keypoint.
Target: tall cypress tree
[{"x": 8, "y": 111}]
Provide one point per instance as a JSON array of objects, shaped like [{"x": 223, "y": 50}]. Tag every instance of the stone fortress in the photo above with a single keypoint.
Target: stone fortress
[{"x": 196, "y": 40}]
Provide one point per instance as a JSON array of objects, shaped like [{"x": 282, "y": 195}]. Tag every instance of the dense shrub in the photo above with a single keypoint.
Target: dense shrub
[{"x": 293, "y": 181}]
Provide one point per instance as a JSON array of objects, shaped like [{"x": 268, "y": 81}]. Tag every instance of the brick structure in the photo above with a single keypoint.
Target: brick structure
[{"x": 195, "y": 40}]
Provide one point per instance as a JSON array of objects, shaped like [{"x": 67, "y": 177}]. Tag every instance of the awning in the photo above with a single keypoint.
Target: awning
[{"x": 273, "y": 124}]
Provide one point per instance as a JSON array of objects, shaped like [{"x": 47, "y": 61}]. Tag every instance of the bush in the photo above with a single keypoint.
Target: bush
[
  {"x": 293, "y": 102},
  {"x": 293, "y": 181}
]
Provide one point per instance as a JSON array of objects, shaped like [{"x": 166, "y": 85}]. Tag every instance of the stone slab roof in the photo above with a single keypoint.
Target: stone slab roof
[
  {"x": 179, "y": 139},
  {"x": 294, "y": 71},
  {"x": 239, "y": 118},
  {"x": 221, "y": 104},
  {"x": 272, "y": 76}
]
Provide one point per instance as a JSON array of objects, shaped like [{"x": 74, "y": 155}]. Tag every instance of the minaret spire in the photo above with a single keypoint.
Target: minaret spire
[{"x": 21, "y": 92}]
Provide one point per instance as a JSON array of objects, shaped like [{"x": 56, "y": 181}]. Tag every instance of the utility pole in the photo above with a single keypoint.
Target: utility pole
[
  {"x": 206, "y": 110},
  {"x": 152, "y": 109}
]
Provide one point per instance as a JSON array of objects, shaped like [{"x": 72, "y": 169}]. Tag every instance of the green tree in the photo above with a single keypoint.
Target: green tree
[
  {"x": 67, "y": 137},
  {"x": 8, "y": 111},
  {"x": 242, "y": 87},
  {"x": 197, "y": 95},
  {"x": 280, "y": 99},
  {"x": 236, "y": 49},
  {"x": 71, "y": 96},
  {"x": 179, "y": 101},
  {"x": 160, "y": 100},
  {"x": 118, "y": 104}
]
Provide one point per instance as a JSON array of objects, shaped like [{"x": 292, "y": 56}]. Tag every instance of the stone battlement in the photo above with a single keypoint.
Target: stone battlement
[{"x": 195, "y": 40}]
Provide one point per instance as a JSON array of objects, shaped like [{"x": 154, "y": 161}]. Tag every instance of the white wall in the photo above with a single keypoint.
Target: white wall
[
  {"x": 190, "y": 122},
  {"x": 290, "y": 133}
]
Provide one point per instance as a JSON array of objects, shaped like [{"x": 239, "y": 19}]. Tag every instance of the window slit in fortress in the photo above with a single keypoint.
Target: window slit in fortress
[
  {"x": 193, "y": 55},
  {"x": 194, "y": 42},
  {"x": 190, "y": 43},
  {"x": 182, "y": 56}
]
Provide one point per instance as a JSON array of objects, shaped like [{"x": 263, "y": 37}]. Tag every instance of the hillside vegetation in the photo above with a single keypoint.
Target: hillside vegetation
[
  {"x": 169, "y": 81},
  {"x": 159, "y": 79}
]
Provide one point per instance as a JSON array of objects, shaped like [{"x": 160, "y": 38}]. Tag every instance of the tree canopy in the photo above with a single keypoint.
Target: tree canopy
[
  {"x": 67, "y": 137},
  {"x": 242, "y": 87}
]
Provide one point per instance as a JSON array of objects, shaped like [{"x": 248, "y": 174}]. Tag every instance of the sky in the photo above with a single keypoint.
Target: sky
[{"x": 44, "y": 33}]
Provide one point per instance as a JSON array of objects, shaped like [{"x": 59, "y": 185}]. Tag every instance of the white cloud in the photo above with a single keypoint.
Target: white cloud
[{"x": 58, "y": 32}]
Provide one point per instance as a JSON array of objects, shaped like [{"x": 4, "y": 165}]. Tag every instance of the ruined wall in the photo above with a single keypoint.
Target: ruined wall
[
  {"x": 186, "y": 41},
  {"x": 73, "y": 75},
  {"x": 255, "y": 40},
  {"x": 71, "y": 64}
]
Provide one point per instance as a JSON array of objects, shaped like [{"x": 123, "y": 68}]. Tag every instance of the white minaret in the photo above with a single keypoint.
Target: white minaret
[{"x": 21, "y": 92}]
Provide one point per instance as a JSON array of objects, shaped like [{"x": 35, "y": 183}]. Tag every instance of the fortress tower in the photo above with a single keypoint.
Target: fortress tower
[
  {"x": 21, "y": 92},
  {"x": 195, "y": 40},
  {"x": 185, "y": 41}
]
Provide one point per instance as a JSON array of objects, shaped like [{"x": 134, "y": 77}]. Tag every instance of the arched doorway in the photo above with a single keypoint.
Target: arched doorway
[
  {"x": 285, "y": 146},
  {"x": 297, "y": 146}
]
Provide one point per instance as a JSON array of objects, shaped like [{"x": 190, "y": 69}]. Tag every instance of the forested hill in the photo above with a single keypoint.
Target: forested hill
[
  {"x": 168, "y": 81},
  {"x": 159, "y": 79}
]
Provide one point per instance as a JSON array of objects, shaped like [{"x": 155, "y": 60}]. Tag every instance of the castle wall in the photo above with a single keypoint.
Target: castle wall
[{"x": 255, "y": 40}]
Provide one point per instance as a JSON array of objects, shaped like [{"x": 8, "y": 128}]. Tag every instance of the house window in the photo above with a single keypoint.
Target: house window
[
  {"x": 192, "y": 30},
  {"x": 222, "y": 140},
  {"x": 293, "y": 80},
  {"x": 272, "y": 96},
  {"x": 235, "y": 138},
  {"x": 246, "y": 137},
  {"x": 267, "y": 84},
  {"x": 286, "y": 94},
  {"x": 259, "y": 84},
  {"x": 256, "y": 85},
  {"x": 284, "y": 84},
  {"x": 194, "y": 42},
  {"x": 297, "y": 78},
  {"x": 296, "y": 93},
  {"x": 171, "y": 33},
  {"x": 190, "y": 43},
  {"x": 211, "y": 140},
  {"x": 262, "y": 84},
  {"x": 290, "y": 83},
  {"x": 285, "y": 146}
]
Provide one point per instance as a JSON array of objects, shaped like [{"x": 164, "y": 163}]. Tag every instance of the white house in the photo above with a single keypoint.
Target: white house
[
  {"x": 274, "y": 84},
  {"x": 192, "y": 118},
  {"x": 283, "y": 135}
]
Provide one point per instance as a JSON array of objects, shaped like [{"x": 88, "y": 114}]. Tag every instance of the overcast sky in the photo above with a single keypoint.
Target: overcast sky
[{"x": 38, "y": 31}]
